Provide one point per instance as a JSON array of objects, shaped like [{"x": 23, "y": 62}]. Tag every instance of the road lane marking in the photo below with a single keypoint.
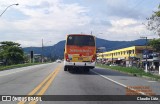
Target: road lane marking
[
  {"x": 12, "y": 72},
  {"x": 41, "y": 84},
  {"x": 142, "y": 93},
  {"x": 152, "y": 81},
  {"x": 43, "y": 90},
  {"x": 17, "y": 70}
]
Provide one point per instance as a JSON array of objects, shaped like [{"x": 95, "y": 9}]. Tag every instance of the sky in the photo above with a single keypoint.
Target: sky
[{"x": 51, "y": 20}]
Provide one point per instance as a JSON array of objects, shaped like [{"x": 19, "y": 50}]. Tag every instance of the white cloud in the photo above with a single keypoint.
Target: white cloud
[
  {"x": 57, "y": 18},
  {"x": 123, "y": 30},
  {"x": 53, "y": 19},
  {"x": 123, "y": 22}
]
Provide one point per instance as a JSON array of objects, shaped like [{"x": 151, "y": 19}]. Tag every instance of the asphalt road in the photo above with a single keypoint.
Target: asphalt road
[{"x": 51, "y": 79}]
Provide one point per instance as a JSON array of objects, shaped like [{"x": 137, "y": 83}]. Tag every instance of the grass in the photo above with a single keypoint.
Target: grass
[
  {"x": 132, "y": 70},
  {"x": 17, "y": 66}
]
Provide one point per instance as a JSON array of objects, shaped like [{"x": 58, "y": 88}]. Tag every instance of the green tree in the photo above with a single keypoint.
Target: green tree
[
  {"x": 11, "y": 53},
  {"x": 155, "y": 43},
  {"x": 153, "y": 23}
]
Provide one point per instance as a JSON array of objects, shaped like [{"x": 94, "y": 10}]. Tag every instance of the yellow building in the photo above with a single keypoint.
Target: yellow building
[{"x": 124, "y": 54}]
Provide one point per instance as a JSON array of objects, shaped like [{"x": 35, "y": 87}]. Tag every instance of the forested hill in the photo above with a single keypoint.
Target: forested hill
[{"x": 57, "y": 50}]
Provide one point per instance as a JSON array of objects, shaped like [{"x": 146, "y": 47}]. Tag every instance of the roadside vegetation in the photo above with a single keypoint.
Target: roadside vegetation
[
  {"x": 11, "y": 53},
  {"x": 153, "y": 24},
  {"x": 132, "y": 71},
  {"x": 12, "y": 56}
]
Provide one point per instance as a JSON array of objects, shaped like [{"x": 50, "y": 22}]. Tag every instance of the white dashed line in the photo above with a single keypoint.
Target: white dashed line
[{"x": 142, "y": 93}]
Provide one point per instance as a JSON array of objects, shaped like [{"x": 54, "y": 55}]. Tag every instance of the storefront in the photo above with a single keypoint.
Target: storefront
[{"x": 152, "y": 61}]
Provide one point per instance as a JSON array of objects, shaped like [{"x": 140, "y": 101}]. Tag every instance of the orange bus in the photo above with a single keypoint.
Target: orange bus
[{"x": 80, "y": 52}]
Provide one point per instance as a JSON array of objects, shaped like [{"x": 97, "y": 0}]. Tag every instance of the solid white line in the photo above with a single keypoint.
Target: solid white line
[
  {"x": 16, "y": 70},
  {"x": 152, "y": 81},
  {"x": 109, "y": 79},
  {"x": 13, "y": 72},
  {"x": 118, "y": 83}
]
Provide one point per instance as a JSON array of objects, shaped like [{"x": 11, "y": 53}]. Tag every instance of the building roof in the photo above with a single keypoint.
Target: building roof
[{"x": 130, "y": 48}]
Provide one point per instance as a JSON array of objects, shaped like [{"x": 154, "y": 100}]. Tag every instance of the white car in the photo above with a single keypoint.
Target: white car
[{"x": 58, "y": 61}]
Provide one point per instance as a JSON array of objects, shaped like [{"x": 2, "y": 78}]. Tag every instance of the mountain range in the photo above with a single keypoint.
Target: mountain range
[{"x": 57, "y": 50}]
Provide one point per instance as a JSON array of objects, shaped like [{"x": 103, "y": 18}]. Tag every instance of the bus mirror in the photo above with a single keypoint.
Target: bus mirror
[{"x": 64, "y": 50}]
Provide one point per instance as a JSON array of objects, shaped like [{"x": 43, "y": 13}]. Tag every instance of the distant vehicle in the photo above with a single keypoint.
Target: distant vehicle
[
  {"x": 58, "y": 61},
  {"x": 80, "y": 51}
]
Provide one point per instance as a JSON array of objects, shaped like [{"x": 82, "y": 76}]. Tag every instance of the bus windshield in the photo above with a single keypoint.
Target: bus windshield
[{"x": 81, "y": 40}]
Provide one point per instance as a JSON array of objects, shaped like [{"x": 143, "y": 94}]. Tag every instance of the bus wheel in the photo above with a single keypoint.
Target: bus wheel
[{"x": 65, "y": 68}]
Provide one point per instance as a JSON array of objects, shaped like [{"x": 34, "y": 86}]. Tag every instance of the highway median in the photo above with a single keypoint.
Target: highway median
[{"x": 132, "y": 71}]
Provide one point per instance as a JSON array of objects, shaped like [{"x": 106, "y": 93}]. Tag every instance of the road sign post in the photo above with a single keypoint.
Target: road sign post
[
  {"x": 146, "y": 67},
  {"x": 145, "y": 53},
  {"x": 159, "y": 64},
  {"x": 32, "y": 57},
  {"x": 159, "y": 68}
]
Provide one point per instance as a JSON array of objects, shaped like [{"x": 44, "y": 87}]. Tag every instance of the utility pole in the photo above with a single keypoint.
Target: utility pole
[
  {"x": 146, "y": 56},
  {"x": 51, "y": 54},
  {"x": 159, "y": 62},
  {"x": 42, "y": 52},
  {"x": 112, "y": 58},
  {"x": 129, "y": 58},
  {"x": 146, "y": 66}
]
